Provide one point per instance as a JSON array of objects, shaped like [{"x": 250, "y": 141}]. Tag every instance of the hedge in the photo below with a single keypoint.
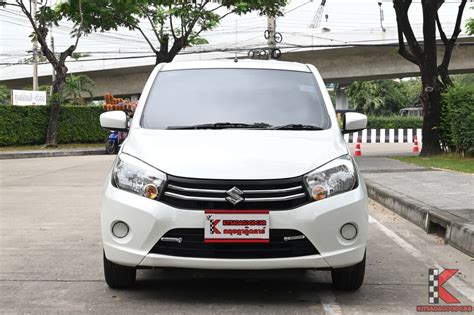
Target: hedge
[
  {"x": 457, "y": 119},
  {"x": 27, "y": 125},
  {"x": 394, "y": 122}
]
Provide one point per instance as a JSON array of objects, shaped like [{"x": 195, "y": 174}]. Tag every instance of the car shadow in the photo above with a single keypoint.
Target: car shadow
[{"x": 231, "y": 286}]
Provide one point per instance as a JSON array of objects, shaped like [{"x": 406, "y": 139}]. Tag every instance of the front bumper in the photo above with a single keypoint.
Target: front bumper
[{"x": 319, "y": 221}]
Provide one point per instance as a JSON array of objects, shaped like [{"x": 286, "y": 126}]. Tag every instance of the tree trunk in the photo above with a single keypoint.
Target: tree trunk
[
  {"x": 56, "y": 99},
  {"x": 431, "y": 93},
  {"x": 431, "y": 101},
  {"x": 165, "y": 55}
]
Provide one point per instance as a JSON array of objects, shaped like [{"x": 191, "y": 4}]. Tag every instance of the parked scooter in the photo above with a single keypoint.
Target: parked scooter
[{"x": 115, "y": 139}]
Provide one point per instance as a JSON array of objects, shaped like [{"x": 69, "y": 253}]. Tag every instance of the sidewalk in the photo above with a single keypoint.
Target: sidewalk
[
  {"x": 439, "y": 201},
  {"x": 5, "y": 155}
]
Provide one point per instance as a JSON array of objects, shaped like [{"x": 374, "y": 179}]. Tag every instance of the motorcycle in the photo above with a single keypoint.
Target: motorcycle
[{"x": 113, "y": 142}]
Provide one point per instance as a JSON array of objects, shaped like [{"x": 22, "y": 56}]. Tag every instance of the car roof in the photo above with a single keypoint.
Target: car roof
[{"x": 240, "y": 64}]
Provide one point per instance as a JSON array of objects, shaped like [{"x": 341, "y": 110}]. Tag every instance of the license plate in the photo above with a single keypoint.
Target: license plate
[{"x": 242, "y": 226}]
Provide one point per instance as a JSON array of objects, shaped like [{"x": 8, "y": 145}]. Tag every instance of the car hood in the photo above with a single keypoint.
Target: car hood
[{"x": 235, "y": 153}]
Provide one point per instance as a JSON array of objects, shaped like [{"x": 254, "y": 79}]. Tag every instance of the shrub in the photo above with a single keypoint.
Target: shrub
[
  {"x": 457, "y": 119},
  {"x": 22, "y": 125},
  {"x": 394, "y": 122},
  {"x": 4, "y": 95}
]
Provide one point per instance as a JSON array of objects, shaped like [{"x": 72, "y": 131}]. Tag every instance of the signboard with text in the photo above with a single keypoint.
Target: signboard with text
[{"x": 24, "y": 97}]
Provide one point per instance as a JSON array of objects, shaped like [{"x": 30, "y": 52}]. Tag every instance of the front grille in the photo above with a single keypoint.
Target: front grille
[
  {"x": 192, "y": 245},
  {"x": 206, "y": 194}
]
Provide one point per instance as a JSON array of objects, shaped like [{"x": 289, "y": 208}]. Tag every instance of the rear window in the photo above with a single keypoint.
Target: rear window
[{"x": 247, "y": 96}]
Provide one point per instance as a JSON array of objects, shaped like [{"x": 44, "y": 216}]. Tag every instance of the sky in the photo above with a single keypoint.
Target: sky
[{"x": 349, "y": 22}]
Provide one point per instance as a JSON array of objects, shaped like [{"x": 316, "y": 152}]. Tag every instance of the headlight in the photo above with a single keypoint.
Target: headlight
[
  {"x": 334, "y": 178},
  {"x": 135, "y": 176}
]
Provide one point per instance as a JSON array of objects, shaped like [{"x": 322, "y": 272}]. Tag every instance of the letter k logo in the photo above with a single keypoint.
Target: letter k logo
[{"x": 443, "y": 293}]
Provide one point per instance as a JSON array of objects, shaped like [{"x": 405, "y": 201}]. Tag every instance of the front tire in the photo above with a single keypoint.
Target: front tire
[
  {"x": 111, "y": 147},
  {"x": 349, "y": 278},
  {"x": 118, "y": 276}
]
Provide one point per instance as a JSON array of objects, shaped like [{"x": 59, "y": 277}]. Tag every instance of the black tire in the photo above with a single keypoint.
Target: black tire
[
  {"x": 349, "y": 278},
  {"x": 111, "y": 147},
  {"x": 117, "y": 276}
]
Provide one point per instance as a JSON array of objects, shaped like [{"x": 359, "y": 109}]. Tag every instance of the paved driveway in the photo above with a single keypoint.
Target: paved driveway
[{"x": 50, "y": 258}]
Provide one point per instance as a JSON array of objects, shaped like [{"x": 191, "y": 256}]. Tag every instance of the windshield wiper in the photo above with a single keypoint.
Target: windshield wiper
[
  {"x": 221, "y": 125},
  {"x": 297, "y": 127}
]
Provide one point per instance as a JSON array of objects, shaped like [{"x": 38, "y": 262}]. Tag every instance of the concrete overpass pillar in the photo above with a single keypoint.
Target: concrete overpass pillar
[{"x": 341, "y": 98}]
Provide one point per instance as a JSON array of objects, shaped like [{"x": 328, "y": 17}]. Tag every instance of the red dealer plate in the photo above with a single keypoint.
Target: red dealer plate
[{"x": 239, "y": 226}]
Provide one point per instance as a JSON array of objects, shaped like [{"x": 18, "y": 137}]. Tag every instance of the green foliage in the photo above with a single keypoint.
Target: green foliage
[
  {"x": 4, "y": 95},
  {"x": 463, "y": 79},
  {"x": 470, "y": 24},
  {"x": 78, "y": 55},
  {"x": 383, "y": 97},
  {"x": 75, "y": 86},
  {"x": 23, "y": 125},
  {"x": 457, "y": 119},
  {"x": 394, "y": 122},
  {"x": 453, "y": 162},
  {"x": 332, "y": 94},
  {"x": 175, "y": 24}
]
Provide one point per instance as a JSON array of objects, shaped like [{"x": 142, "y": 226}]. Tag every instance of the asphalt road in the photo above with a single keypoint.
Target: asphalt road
[{"x": 50, "y": 259}]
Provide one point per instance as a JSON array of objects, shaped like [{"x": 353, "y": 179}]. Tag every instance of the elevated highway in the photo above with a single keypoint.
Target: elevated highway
[{"x": 341, "y": 65}]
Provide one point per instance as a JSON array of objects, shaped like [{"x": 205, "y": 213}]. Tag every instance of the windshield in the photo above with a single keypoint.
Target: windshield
[{"x": 235, "y": 98}]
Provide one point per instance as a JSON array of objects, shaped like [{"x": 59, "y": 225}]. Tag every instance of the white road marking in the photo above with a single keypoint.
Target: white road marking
[
  {"x": 397, "y": 239},
  {"x": 330, "y": 305},
  {"x": 461, "y": 286}
]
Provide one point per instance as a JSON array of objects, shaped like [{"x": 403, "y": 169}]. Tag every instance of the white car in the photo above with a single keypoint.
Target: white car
[{"x": 235, "y": 165}]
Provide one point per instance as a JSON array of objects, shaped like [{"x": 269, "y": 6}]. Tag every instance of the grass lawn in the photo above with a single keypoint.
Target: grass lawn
[
  {"x": 61, "y": 146},
  {"x": 447, "y": 161}
]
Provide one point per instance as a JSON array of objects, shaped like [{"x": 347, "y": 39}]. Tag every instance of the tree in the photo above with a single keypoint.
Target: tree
[
  {"x": 435, "y": 78},
  {"x": 470, "y": 25},
  {"x": 365, "y": 97},
  {"x": 383, "y": 97},
  {"x": 45, "y": 17},
  {"x": 175, "y": 25},
  {"x": 75, "y": 86}
]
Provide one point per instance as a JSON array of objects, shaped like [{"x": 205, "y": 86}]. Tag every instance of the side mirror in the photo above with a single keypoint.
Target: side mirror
[
  {"x": 114, "y": 120},
  {"x": 354, "y": 122}
]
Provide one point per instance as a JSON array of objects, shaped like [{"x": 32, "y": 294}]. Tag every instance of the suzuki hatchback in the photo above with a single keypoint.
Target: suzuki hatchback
[{"x": 235, "y": 165}]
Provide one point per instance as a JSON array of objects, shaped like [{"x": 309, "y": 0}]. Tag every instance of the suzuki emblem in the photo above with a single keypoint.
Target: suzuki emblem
[{"x": 234, "y": 195}]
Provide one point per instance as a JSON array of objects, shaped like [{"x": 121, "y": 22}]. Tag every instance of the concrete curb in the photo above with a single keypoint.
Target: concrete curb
[
  {"x": 457, "y": 231},
  {"x": 49, "y": 153}
]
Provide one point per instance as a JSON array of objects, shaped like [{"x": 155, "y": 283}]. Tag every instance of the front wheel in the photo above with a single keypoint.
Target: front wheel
[
  {"x": 349, "y": 278},
  {"x": 118, "y": 276},
  {"x": 111, "y": 146}
]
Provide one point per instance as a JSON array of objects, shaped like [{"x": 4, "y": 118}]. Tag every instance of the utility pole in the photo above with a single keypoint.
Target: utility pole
[
  {"x": 35, "y": 50},
  {"x": 271, "y": 42},
  {"x": 381, "y": 17},
  {"x": 53, "y": 72}
]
